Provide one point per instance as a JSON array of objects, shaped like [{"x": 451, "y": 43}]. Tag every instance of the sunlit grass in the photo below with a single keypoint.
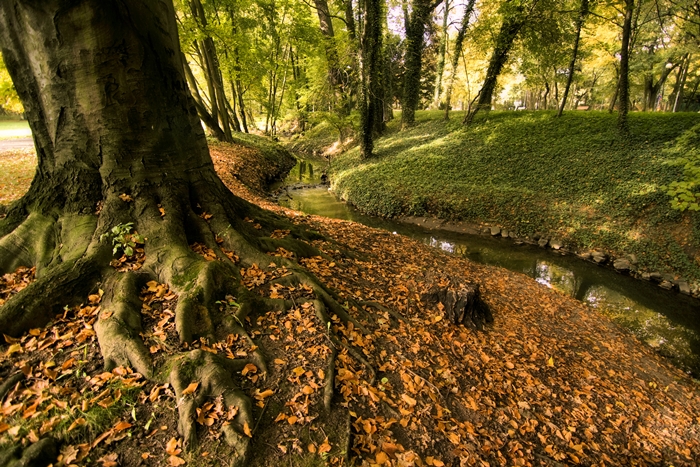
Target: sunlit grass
[
  {"x": 529, "y": 172},
  {"x": 17, "y": 169},
  {"x": 14, "y": 129}
]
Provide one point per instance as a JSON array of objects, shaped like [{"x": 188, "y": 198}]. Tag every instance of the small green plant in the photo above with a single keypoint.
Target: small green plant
[{"x": 124, "y": 238}]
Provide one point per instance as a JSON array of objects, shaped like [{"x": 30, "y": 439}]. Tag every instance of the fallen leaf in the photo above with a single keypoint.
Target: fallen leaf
[
  {"x": 325, "y": 447},
  {"x": 409, "y": 400},
  {"x": 173, "y": 447},
  {"x": 246, "y": 430},
  {"x": 78, "y": 422},
  {"x": 190, "y": 389},
  {"x": 121, "y": 426},
  {"x": 176, "y": 461},
  {"x": 109, "y": 460}
]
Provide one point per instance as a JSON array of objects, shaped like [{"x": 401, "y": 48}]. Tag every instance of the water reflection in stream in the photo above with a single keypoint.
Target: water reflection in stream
[{"x": 667, "y": 321}]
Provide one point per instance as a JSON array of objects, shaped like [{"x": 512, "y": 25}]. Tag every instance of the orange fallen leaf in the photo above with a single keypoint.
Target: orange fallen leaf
[
  {"x": 109, "y": 460},
  {"x": 190, "y": 389},
  {"x": 78, "y": 422},
  {"x": 176, "y": 461},
  {"x": 121, "y": 426},
  {"x": 172, "y": 447},
  {"x": 265, "y": 394},
  {"x": 292, "y": 420},
  {"x": 249, "y": 368},
  {"x": 246, "y": 430},
  {"x": 325, "y": 447},
  {"x": 409, "y": 400}
]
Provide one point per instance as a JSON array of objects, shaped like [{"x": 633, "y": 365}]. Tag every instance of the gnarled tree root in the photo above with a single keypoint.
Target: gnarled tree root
[{"x": 213, "y": 375}]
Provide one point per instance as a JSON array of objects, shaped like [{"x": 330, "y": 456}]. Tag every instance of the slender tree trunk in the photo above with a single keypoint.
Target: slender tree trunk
[
  {"x": 583, "y": 12},
  {"x": 237, "y": 90},
  {"x": 441, "y": 57},
  {"x": 414, "y": 59},
  {"x": 212, "y": 72},
  {"x": 335, "y": 74},
  {"x": 510, "y": 28},
  {"x": 371, "y": 80},
  {"x": 350, "y": 20},
  {"x": 685, "y": 64},
  {"x": 459, "y": 41},
  {"x": 624, "y": 68}
]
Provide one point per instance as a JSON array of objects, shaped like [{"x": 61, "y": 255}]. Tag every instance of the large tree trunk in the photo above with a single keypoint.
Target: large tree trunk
[
  {"x": 582, "y": 13},
  {"x": 624, "y": 87},
  {"x": 120, "y": 148}
]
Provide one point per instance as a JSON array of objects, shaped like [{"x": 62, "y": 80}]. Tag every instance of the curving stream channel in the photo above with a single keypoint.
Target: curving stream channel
[{"x": 667, "y": 321}]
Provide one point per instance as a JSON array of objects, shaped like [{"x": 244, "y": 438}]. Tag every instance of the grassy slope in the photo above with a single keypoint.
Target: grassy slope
[{"x": 573, "y": 177}]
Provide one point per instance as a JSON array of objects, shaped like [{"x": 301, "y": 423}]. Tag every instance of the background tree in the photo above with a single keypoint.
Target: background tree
[
  {"x": 459, "y": 42},
  {"x": 371, "y": 103},
  {"x": 515, "y": 14},
  {"x": 580, "y": 19},
  {"x": 415, "y": 23}
]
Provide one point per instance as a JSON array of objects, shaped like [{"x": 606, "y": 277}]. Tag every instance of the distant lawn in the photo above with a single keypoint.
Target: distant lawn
[
  {"x": 14, "y": 129},
  {"x": 17, "y": 168},
  {"x": 573, "y": 177}
]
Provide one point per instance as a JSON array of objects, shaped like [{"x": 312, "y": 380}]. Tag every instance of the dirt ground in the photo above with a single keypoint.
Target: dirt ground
[{"x": 549, "y": 382}]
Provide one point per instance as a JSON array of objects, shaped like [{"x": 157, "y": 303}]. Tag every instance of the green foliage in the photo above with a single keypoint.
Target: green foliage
[
  {"x": 9, "y": 100},
  {"x": 527, "y": 171},
  {"x": 685, "y": 153},
  {"x": 123, "y": 239}
]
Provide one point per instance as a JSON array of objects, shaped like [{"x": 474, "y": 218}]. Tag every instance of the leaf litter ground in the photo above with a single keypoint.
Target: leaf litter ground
[{"x": 550, "y": 382}]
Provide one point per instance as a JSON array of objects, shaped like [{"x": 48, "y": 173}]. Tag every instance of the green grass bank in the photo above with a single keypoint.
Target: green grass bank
[{"x": 572, "y": 178}]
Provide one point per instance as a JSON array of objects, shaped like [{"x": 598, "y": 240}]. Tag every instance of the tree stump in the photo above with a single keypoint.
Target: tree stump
[{"x": 461, "y": 302}]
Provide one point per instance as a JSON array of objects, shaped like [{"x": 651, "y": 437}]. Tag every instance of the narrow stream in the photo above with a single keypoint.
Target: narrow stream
[{"x": 667, "y": 321}]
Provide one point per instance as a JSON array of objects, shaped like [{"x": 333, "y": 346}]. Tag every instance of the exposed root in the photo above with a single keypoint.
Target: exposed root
[
  {"x": 381, "y": 307},
  {"x": 42, "y": 299},
  {"x": 119, "y": 326},
  {"x": 323, "y": 316},
  {"x": 16, "y": 251},
  {"x": 329, "y": 382},
  {"x": 301, "y": 277},
  {"x": 9, "y": 383},
  {"x": 211, "y": 376}
]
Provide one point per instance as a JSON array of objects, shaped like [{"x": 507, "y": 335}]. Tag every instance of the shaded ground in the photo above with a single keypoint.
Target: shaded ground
[{"x": 550, "y": 382}]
